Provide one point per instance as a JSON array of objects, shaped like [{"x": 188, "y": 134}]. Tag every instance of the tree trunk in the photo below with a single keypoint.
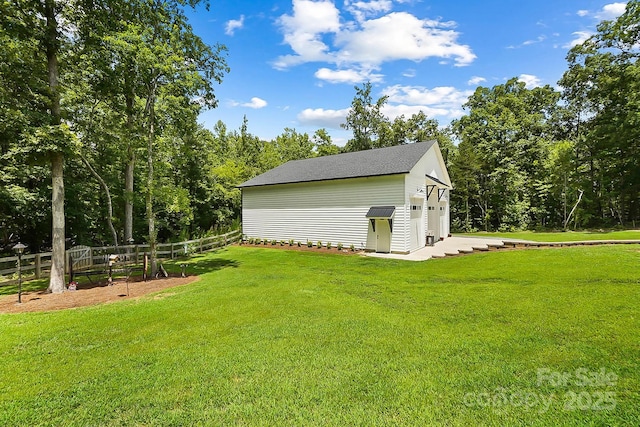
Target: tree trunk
[
  {"x": 107, "y": 193},
  {"x": 128, "y": 196},
  {"x": 56, "y": 278},
  {"x": 151, "y": 218},
  {"x": 573, "y": 210},
  {"x": 128, "y": 178},
  {"x": 468, "y": 216}
]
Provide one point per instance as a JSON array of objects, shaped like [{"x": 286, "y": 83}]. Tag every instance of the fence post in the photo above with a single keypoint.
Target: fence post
[
  {"x": 201, "y": 239},
  {"x": 66, "y": 262},
  {"x": 137, "y": 254},
  {"x": 37, "y": 262},
  {"x": 172, "y": 251}
]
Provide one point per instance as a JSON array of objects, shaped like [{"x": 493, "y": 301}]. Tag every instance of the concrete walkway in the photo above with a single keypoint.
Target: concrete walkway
[
  {"x": 449, "y": 246},
  {"x": 452, "y": 246}
]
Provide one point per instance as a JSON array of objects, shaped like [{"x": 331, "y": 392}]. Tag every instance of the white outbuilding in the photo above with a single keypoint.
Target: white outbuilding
[{"x": 393, "y": 199}]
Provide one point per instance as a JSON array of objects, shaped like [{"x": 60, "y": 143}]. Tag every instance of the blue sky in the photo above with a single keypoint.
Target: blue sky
[{"x": 295, "y": 63}]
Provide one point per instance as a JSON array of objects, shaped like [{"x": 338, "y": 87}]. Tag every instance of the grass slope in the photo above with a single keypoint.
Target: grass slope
[
  {"x": 273, "y": 337},
  {"x": 568, "y": 236}
]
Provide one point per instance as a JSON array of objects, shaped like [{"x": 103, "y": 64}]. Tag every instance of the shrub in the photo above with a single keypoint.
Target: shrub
[
  {"x": 281, "y": 242},
  {"x": 274, "y": 242},
  {"x": 339, "y": 246},
  {"x": 328, "y": 245},
  {"x": 309, "y": 244},
  {"x": 299, "y": 244},
  {"x": 290, "y": 242},
  {"x": 352, "y": 248},
  {"x": 265, "y": 241},
  {"x": 319, "y": 244}
]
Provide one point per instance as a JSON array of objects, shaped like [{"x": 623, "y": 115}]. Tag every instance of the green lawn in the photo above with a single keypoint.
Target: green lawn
[
  {"x": 569, "y": 236},
  {"x": 273, "y": 337}
]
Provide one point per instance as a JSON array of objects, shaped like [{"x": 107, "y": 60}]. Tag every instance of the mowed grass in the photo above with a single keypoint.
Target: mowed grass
[
  {"x": 275, "y": 337},
  {"x": 568, "y": 236}
]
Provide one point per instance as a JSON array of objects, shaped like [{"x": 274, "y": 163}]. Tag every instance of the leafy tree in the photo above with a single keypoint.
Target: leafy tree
[
  {"x": 36, "y": 27},
  {"x": 323, "y": 145},
  {"x": 291, "y": 145},
  {"x": 366, "y": 120},
  {"x": 602, "y": 89},
  {"x": 507, "y": 135},
  {"x": 174, "y": 67}
]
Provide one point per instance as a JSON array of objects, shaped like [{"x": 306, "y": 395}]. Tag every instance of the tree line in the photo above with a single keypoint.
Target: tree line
[
  {"x": 100, "y": 142},
  {"x": 542, "y": 158}
]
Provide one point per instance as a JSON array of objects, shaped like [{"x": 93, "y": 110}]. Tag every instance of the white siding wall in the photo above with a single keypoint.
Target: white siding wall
[
  {"x": 330, "y": 211},
  {"x": 416, "y": 181}
]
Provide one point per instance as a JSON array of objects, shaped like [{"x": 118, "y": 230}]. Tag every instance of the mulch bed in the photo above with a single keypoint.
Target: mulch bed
[
  {"x": 89, "y": 294},
  {"x": 305, "y": 248}
]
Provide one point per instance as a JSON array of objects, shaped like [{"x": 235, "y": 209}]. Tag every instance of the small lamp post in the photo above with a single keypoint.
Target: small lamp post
[{"x": 19, "y": 249}]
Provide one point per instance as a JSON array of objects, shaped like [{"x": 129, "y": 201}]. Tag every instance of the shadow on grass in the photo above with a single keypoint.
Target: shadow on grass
[{"x": 202, "y": 265}]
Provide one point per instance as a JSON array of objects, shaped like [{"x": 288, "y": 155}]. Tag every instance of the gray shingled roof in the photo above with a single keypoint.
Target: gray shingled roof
[{"x": 381, "y": 161}]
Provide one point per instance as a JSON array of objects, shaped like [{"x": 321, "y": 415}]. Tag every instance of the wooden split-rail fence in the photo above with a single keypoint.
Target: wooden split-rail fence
[{"x": 79, "y": 258}]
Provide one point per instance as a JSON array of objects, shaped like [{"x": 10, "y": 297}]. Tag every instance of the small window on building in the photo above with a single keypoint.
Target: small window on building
[{"x": 416, "y": 207}]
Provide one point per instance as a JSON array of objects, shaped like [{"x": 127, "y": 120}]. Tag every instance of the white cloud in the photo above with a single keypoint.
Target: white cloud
[
  {"x": 323, "y": 118},
  {"x": 579, "y": 37},
  {"x": 410, "y": 73},
  {"x": 475, "y": 80},
  {"x": 233, "y": 25},
  {"x": 361, "y": 9},
  {"x": 400, "y": 35},
  {"x": 442, "y": 101},
  {"x": 608, "y": 12},
  {"x": 347, "y": 76},
  {"x": 303, "y": 31},
  {"x": 316, "y": 32},
  {"x": 439, "y": 102},
  {"x": 256, "y": 103},
  {"x": 539, "y": 39},
  {"x": 442, "y": 97},
  {"x": 530, "y": 81},
  {"x": 611, "y": 11},
  {"x": 530, "y": 42}
]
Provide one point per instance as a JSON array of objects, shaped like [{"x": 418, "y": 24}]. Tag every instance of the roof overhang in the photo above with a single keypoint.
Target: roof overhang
[
  {"x": 384, "y": 212},
  {"x": 435, "y": 181}
]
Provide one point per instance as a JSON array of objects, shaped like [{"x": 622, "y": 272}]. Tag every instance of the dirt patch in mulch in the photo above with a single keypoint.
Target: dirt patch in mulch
[
  {"x": 305, "y": 248},
  {"x": 89, "y": 294}
]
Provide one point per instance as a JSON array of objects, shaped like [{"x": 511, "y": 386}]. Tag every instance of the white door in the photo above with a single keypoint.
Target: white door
[
  {"x": 434, "y": 221},
  {"x": 417, "y": 224},
  {"x": 383, "y": 236},
  {"x": 444, "y": 229}
]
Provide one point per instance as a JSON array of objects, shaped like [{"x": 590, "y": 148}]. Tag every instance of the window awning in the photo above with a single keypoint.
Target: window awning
[
  {"x": 438, "y": 182},
  {"x": 381, "y": 212}
]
